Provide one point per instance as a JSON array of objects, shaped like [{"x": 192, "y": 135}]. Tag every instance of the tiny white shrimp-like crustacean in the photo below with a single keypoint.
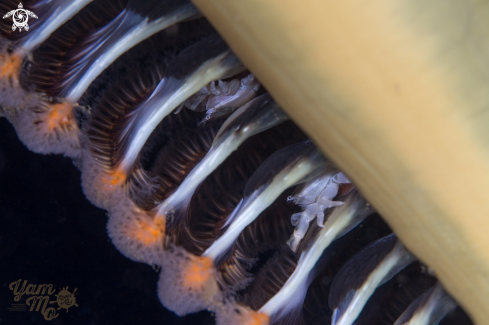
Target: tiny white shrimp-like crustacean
[
  {"x": 224, "y": 97},
  {"x": 316, "y": 196}
]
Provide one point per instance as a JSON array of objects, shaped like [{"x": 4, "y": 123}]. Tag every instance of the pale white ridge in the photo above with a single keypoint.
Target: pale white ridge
[
  {"x": 337, "y": 222},
  {"x": 137, "y": 34},
  {"x": 438, "y": 305},
  {"x": 398, "y": 256},
  {"x": 250, "y": 211},
  {"x": 65, "y": 10},
  {"x": 210, "y": 70},
  {"x": 212, "y": 160}
]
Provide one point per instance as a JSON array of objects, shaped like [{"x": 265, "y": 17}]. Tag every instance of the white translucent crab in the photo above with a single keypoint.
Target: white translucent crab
[
  {"x": 315, "y": 197},
  {"x": 224, "y": 97}
]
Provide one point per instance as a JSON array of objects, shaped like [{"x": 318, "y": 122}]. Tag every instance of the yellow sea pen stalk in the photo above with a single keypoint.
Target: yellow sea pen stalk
[{"x": 396, "y": 92}]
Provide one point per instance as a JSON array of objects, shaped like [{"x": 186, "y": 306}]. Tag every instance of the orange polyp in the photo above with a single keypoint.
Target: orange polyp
[
  {"x": 257, "y": 318},
  {"x": 118, "y": 177},
  {"x": 60, "y": 115},
  {"x": 149, "y": 233},
  {"x": 200, "y": 270},
  {"x": 11, "y": 66}
]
